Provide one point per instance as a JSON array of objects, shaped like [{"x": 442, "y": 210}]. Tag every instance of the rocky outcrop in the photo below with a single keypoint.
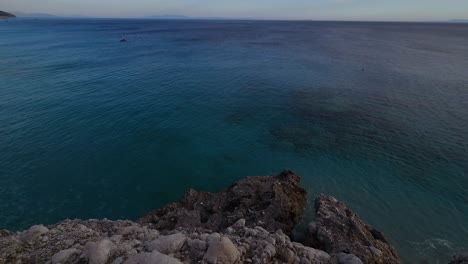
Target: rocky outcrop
[
  {"x": 6, "y": 15},
  {"x": 105, "y": 241},
  {"x": 273, "y": 202},
  {"x": 339, "y": 231},
  {"x": 247, "y": 223}
]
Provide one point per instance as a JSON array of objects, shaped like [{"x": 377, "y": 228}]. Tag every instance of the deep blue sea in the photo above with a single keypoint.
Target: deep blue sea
[{"x": 375, "y": 114}]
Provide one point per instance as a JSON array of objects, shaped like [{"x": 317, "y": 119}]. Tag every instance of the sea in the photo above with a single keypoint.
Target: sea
[{"x": 373, "y": 113}]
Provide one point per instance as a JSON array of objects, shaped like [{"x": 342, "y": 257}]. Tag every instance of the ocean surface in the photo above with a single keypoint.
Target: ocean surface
[{"x": 375, "y": 114}]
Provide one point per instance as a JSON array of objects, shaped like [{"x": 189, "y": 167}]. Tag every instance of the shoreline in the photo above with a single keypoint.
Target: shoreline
[{"x": 250, "y": 222}]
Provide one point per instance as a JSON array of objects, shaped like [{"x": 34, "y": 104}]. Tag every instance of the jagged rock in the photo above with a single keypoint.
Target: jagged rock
[
  {"x": 65, "y": 255},
  {"x": 152, "y": 258},
  {"x": 336, "y": 229},
  {"x": 99, "y": 252},
  {"x": 34, "y": 232},
  {"x": 167, "y": 244},
  {"x": 222, "y": 251},
  {"x": 275, "y": 202}
]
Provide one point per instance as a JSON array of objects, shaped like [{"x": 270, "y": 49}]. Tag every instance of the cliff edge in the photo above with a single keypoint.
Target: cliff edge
[{"x": 250, "y": 222}]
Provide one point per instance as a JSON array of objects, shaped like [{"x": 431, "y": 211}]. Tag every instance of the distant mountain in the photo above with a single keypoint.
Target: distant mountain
[
  {"x": 168, "y": 17},
  {"x": 459, "y": 20},
  {"x": 4, "y": 15},
  {"x": 34, "y": 15},
  {"x": 189, "y": 17}
]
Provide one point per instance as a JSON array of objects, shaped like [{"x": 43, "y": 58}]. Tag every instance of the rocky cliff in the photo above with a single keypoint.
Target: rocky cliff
[
  {"x": 250, "y": 222},
  {"x": 6, "y": 15}
]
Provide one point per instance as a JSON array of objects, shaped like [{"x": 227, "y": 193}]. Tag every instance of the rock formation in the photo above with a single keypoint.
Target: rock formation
[
  {"x": 247, "y": 223},
  {"x": 339, "y": 231},
  {"x": 271, "y": 202},
  {"x": 6, "y": 15}
]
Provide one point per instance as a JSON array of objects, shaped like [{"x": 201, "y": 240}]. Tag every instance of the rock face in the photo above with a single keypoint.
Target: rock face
[
  {"x": 339, "y": 231},
  {"x": 6, "y": 15},
  {"x": 271, "y": 202},
  {"x": 247, "y": 223}
]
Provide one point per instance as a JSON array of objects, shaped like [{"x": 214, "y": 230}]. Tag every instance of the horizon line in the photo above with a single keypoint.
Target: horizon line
[{"x": 20, "y": 14}]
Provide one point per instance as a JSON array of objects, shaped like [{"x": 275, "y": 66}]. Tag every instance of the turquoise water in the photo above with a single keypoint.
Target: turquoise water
[{"x": 375, "y": 114}]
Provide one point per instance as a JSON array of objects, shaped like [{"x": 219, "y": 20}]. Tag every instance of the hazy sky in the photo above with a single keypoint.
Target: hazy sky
[{"x": 266, "y": 9}]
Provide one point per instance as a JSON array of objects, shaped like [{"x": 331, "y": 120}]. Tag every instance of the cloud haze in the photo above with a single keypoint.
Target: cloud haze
[{"x": 262, "y": 9}]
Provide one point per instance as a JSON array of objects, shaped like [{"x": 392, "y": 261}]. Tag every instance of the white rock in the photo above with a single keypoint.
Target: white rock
[
  {"x": 222, "y": 251},
  {"x": 99, "y": 252},
  {"x": 64, "y": 255},
  {"x": 34, "y": 232},
  {"x": 152, "y": 258},
  {"x": 167, "y": 244},
  {"x": 240, "y": 223}
]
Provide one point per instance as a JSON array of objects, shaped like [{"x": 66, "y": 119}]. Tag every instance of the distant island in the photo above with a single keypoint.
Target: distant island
[
  {"x": 459, "y": 20},
  {"x": 182, "y": 17},
  {"x": 34, "y": 15},
  {"x": 4, "y": 15}
]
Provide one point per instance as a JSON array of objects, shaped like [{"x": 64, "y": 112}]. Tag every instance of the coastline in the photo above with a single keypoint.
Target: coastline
[{"x": 250, "y": 222}]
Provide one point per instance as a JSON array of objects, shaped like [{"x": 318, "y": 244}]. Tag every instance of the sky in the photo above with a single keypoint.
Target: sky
[{"x": 375, "y": 10}]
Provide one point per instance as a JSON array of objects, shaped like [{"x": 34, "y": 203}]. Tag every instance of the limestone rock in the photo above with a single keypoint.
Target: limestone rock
[
  {"x": 167, "y": 244},
  {"x": 34, "y": 232},
  {"x": 222, "y": 251},
  {"x": 337, "y": 229},
  {"x": 99, "y": 252}
]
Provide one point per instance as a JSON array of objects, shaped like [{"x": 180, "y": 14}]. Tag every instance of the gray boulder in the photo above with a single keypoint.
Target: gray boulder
[
  {"x": 167, "y": 244},
  {"x": 222, "y": 251}
]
